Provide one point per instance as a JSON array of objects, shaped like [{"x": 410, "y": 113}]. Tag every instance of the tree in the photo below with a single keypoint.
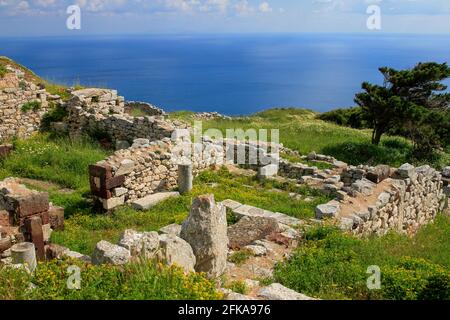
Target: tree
[{"x": 413, "y": 103}]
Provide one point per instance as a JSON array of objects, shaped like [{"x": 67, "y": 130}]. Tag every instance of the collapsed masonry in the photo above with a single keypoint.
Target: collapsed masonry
[
  {"x": 15, "y": 92},
  {"x": 26, "y": 216}
]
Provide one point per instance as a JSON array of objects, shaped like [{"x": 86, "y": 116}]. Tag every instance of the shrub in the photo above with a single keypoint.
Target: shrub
[
  {"x": 351, "y": 117},
  {"x": 32, "y": 105},
  {"x": 413, "y": 279},
  {"x": 56, "y": 113}
]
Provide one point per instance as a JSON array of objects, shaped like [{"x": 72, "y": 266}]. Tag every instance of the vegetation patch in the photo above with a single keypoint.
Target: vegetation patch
[
  {"x": 240, "y": 257},
  {"x": 238, "y": 286},
  {"x": 333, "y": 265},
  {"x": 135, "y": 281},
  {"x": 31, "y": 106}
]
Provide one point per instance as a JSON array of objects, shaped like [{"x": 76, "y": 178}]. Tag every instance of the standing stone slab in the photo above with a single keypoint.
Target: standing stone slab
[
  {"x": 185, "y": 178},
  {"x": 206, "y": 231},
  {"x": 35, "y": 234}
]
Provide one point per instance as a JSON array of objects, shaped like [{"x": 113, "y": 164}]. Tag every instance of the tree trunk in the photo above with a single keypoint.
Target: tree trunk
[{"x": 376, "y": 136}]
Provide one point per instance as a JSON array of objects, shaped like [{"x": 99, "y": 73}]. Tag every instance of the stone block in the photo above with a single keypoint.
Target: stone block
[
  {"x": 328, "y": 210},
  {"x": 111, "y": 203},
  {"x": 126, "y": 167},
  {"x": 34, "y": 233},
  {"x": 56, "y": 218},
  {"x": 27, "y": 205},
  {"x": 152, "y": 200},
  {"x": 108, "y": 253}
]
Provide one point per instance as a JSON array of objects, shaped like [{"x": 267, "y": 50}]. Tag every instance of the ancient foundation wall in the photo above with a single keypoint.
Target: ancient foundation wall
[{"x": 15, "y": 119}]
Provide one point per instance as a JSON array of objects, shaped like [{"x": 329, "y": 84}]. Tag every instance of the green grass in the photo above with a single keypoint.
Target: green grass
[
  {"x": 332, "y": 265},
  {"x": 3, "y": 71},
  {"x": 30, "y": 76},
  {"x": 32, "y": 105},
  {"x": 300, "y": 130},
  {"x": 135, "y": 281},
  {"x": 58, "y": 160},
  {"x": 65, "y": 163},
  {"x": 85, "y": 228},
  {"x": 240, "y": 257},
  {"x": 238, "y": 286}
]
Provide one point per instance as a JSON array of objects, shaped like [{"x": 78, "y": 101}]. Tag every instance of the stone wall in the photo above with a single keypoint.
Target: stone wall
[
  {"x": 144, "y": 108},
  {"x": 15, "y": 91},
  {"x": 149, "y": 167},
  {"x": 102, "y": 112},
  {"x": 408, "y": 199}
]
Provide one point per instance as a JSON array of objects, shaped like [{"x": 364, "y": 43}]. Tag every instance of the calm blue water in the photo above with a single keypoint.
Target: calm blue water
[{"x": 225, "y": 73}]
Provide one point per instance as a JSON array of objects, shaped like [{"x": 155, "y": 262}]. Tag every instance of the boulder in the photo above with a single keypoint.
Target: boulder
[
  {"x": 206, "y": 231},
  {"x": 140, "y": 244},
  {"x": 249, "y": 229},
  {"x": 108, "y": 253},
  {"x": 277, "y": 291},
  {"x": 174, "y": 250}
]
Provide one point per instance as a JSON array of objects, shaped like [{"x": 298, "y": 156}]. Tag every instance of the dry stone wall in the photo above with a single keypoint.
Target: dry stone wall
[
  {"x": 101, "y": 112},
  {"x": 411, "y": 198},
  {"x": 15, "y": 91}
]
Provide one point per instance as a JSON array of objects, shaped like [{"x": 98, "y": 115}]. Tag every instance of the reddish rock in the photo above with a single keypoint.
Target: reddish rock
[{"x": 34, "y": 233}]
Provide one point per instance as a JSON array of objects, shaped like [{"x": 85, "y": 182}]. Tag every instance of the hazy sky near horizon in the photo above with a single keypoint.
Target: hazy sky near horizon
[{"x": 48, "y": 17}]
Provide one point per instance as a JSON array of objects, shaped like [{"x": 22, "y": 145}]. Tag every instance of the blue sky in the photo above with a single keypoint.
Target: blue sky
[{"x": 48, "y": 17}]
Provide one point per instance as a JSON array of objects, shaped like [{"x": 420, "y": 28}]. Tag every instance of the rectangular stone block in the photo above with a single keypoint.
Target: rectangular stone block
[
  {"x": 115, "y": 182},
  {"x": 34, "y": 233},
  {"x": 24, "y": 206}
]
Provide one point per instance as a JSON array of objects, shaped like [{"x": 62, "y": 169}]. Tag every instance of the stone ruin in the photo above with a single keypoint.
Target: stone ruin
[
  {"x": 15, "y": 91},
  {"x": 26, "y": 216}
]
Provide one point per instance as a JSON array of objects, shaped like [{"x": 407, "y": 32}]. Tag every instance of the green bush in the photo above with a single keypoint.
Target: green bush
[
  {"x": 32, "y": 105},
  {"x": 136, "y": 281},
  {"x": 56, "y": 113},
  {"x": 238, "y": 286},
  {"x": 413, "y": 279},
  {"x": 351, "y": 117}
]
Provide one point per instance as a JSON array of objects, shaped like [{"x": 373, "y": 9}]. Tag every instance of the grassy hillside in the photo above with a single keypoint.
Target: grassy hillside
[
  {"x": 301, "y": 130},
  {"x": 51, "y": 88}
]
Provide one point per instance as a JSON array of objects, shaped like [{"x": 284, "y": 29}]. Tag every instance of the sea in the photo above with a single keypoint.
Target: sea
[{"x": 228, "y": 73}]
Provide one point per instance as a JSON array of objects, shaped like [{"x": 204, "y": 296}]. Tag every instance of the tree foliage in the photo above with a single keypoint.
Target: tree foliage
[{"x": 413, "y": 103}]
